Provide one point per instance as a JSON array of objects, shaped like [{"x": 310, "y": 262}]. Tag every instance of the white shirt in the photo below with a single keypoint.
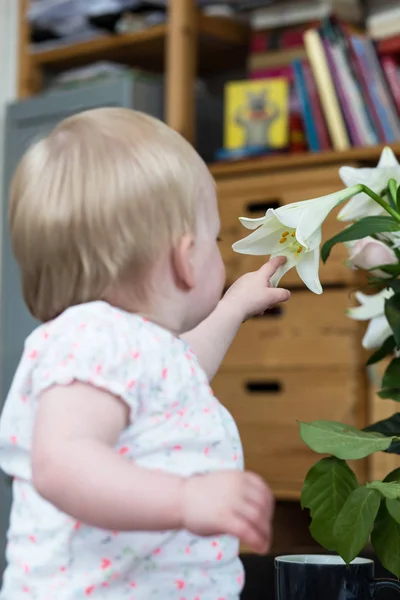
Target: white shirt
[{"x": 176, "y": 424}]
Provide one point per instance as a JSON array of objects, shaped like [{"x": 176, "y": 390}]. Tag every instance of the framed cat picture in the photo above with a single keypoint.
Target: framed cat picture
[{"x": 256, "y": 114}]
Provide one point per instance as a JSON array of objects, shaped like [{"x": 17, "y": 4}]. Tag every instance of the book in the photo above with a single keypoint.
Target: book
[
  {"x": 377, "y": 92},
  {"x": 357, "y": 118},
  {"x": 314, "y": 99},
  {"x": 279, "y": 38},
  {"x": 306, "y": 108},
  {"x": 276, "y": 58},
  {"x": 297, "y": 135},
  {"x": 336, "y": 68},
  {"x": 390, "y": 45},
  {"x": 256, "y": 114},
  {"x": 326, "y": 89},
  {"x": 391, "y": 70},
  {"x": 289, "y": 12},
  {"x": 383, "y": 21}
]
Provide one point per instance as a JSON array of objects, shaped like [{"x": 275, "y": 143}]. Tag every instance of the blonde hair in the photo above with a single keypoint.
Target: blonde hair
[{"x": 96, "y": 200}]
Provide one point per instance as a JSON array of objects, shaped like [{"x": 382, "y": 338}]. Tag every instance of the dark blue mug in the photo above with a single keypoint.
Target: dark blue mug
[{"x": 320, "y": 577}]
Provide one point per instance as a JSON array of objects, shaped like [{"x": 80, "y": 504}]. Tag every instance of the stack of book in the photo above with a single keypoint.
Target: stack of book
[{"x": 345, "y": 89}]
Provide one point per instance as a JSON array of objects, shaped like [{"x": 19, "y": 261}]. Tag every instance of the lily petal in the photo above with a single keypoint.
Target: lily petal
[
  {"x": 290, "y": 214},
  {"x": 371, "y": 306},
  {"x": 377, "y": 332},
  {"x": 260, "y": 242},
  {"x": 307, "y": 269},
  {"x": 375, "y": 178},
  {"x": 315, "y": 214},
  {"x": 282, "y": 270},
  {"x": 360, "y": 206},
  {"x": 387, "y": 158},
  {"x": 252, "y": 223}
]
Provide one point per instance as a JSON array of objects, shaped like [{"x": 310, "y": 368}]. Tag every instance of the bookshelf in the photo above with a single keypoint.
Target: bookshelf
[
  {"x": 299, "y": 160},
  {"x": 188, "y": 44},
  {"x": 146, "y": 48}
]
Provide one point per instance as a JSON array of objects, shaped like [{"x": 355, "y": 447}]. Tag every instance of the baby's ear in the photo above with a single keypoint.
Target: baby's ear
[{"x": 183, "y": 262}]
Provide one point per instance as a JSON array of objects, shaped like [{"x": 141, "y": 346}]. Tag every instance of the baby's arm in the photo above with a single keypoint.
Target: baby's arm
[
  {"x": 77, "y": 469},
  {"x": 250, "y": 295}
]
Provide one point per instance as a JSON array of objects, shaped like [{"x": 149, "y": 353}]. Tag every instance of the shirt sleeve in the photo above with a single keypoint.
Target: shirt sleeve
[{"x": 96, "y": 352}]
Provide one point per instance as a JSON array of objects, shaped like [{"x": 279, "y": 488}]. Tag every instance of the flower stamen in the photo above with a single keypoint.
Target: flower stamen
[{"x": 282, "y": 240}]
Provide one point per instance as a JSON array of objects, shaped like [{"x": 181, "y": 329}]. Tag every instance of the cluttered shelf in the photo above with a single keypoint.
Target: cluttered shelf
[
  {"x": 222, "y": 43},
  {"x": 284, "y": 82},
  {"x": 282, "y": 162}
]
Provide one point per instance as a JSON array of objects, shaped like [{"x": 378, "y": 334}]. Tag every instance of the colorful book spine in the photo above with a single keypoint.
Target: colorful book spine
[
  {"x": 342, "y": 92},
  {"x": 306, "y": 109},
  {"x": 391, "y": 70},
  {"x": 387, "y": 120},
  {"x": 326, "y": 89},
  {"x": 320, "y": 123},
  {"x": 352, "y": 83},
  {"x": 363, "y": 77}
]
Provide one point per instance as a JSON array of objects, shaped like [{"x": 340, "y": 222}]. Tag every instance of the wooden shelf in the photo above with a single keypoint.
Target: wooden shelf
[
  {"x": 222, "y": 43},
  {"x": 301, "y": 160}
]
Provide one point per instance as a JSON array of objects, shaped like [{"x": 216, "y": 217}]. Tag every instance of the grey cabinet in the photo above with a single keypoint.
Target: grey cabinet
[{"x": 26, "y": 121}]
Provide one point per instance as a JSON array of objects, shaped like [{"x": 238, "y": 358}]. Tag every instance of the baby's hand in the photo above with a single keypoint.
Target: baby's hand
[
  {"x": 230, "y": 503},
  {"x": 252, "y": 293}
]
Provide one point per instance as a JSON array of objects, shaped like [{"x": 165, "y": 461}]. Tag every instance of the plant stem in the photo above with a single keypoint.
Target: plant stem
[{"x": 379, "y": 201}]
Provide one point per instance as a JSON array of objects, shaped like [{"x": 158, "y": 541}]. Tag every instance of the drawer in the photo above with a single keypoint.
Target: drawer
[
  {"x": 252, "y": 196},
  {"x": 266, "y": 405},
  {"x": 308, "y": 331}
]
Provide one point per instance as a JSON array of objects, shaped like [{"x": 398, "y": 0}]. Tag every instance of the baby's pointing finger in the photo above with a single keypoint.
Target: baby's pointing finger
[{"x": 270, "y": 267}]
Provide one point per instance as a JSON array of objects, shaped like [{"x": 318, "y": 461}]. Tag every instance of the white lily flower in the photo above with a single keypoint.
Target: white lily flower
[
  {"x": 372, "y": 309},
  {"x": 293, "y": 231},
  {"x": 375, "y": 178}
]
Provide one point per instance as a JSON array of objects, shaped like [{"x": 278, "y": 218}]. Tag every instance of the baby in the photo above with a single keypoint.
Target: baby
[{"x": 128, "y": 479}]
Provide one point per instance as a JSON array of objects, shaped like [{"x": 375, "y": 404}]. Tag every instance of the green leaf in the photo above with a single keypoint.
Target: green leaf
[
  {"x": 385, "y": 540},
  {"x": 389, "y": 269},
  {"x": 394, "y": 284},
  {"x": 389, "y": 489},
  {"x": 390, "y": 394},
  {"x": 389, "y": 427},
  {"x": 355, "y": 522},
  {"x": 398, "y": 198},
  {"x": 392, "y": 192},
  {"x": 343, "y": 441},
  {"x": 391, "y": 377},
  {"x": 393, "y": 508},
  {"x": 392, "y": 312},
  {"x": 393, "y": 475},
  {"x": 360, "y": 229},
  {"x": 386, "y": 349},
  {"x": 326, "y": 488}
]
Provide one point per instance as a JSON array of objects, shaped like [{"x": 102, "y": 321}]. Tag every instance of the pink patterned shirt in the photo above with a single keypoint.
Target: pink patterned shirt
[{"x": 176, "y": 425}]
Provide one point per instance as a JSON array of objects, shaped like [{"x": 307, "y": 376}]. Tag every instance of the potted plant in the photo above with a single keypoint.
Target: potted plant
[{"x": 344, "y": 514}]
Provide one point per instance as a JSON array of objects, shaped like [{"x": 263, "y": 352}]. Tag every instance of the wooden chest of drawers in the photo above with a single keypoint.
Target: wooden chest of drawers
[{"x": 301, "y": 361}]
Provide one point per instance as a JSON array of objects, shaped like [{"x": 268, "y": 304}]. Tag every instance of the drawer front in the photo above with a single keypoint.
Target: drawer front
[
  {"x": 308, "y": 331},
  {"x": 266, "y": 405},
  {"x": 252, "y": 196}
]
